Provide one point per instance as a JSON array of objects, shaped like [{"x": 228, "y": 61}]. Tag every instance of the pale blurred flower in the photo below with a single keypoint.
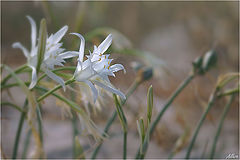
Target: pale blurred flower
[
  {"x": 54, "y": 54},
  {"x": 96, "y": 68}
]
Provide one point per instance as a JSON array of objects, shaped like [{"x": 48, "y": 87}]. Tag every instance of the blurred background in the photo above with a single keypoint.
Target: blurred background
[{"x": 170, "y": 35}]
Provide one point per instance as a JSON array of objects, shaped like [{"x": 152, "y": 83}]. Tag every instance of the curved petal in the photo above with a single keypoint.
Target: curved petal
[
  {"x": 34, "y": 32},
  {"x": 55, "y": 78},
  {"x": 94, "y": 90},
  {"x": 58, "y": 36},
  {"x": 20, "y": 46},
  {"x": 117, "y": 67},
  {"x": 82, "y": 45},
  {"x": 110, "y": 89},
  {"x": 34, "y": 77},
  {"x": 68, "y": 54},
  {"x": 105, "y": 44}
]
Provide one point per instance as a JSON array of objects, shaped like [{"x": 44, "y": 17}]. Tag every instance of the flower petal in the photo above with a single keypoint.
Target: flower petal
[
  {"x": 68, "y": 54},
  {"x": 105, "y": 44},
  {"x": 34, "y": 32},
  {"x": 55, "y": 78},
  {"x": 82, "y": 45},
  {"x": 58, "y": 36},
  {"x": 117, "y": 67},
  {"x": 110, "y": 89},
  {"x": 94, "y": 90},
  {"x": 20, "y": 46},
  {"x": 34, "y": 77}
]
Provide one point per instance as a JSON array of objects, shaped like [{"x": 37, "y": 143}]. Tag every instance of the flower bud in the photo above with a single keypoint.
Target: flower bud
[
  {"x": 209, "y": 60},
  {"x": 197, "y": 65},
  {"x": 145, "y": 74}
]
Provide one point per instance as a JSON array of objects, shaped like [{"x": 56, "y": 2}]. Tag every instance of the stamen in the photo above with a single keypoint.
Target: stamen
[
  {"x": 108, "y": 66},
  {"x": 108, "y": 62},
  {"x": 104, "y": 66},
  {"x": 105, "y": 57},
  {"x": 99, "y": 59}
]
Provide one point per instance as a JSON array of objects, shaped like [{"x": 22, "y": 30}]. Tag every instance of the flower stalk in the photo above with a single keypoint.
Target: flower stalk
[
  {"x": 54, "y": 89},
  {"x": 123, "y": 122},
  {"x": 223, "y": 116},
  {"x": 209, "y": 106},
  {"x": 19, "y": 130}
]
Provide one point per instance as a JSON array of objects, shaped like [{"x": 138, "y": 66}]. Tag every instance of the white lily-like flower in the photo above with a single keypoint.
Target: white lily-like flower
[
  {"x": 96, "y": 68},
  {"x": 54, "y": 54}
]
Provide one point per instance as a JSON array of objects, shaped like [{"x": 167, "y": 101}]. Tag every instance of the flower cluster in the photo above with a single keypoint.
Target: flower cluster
[
  {"x": 96, "y": 68},
  {"x": 54, "y": 54},
  {"x": 93, "y": 71}
]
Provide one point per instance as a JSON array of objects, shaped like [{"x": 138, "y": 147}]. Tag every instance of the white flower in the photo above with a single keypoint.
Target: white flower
[
  {"x": 54, "y": 54},
  {"x": 96, "y": 68}
]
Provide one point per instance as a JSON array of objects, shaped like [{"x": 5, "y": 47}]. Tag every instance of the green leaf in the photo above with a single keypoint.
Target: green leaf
[
  {"x": 120, "y": 112},
  {"x": 41, "y": 43},
  {"x": 22, "y": 85},
  {"x": 141, "y": 129},
  {"x": 149, "y": 104},
  {"x": 18, "y": 70},
  {"x": 31, "y": 109},
  {"x": 13, "y": 105}
]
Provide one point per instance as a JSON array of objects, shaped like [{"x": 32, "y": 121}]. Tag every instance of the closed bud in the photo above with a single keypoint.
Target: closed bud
[
  {"x": 198, "y": 62},
  {"x": 209, "y": 60},
  {"x": 145, "y": 74},
  {"x": 197, "y": 65}
]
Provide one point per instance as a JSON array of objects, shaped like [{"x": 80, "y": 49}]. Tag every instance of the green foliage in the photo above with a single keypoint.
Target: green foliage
[
  {"x": 149, "y": 104},
  {"x": 121, "y": 114},
  {"x": 41, "y": 43},
  {"x": 145, "y": 126}
]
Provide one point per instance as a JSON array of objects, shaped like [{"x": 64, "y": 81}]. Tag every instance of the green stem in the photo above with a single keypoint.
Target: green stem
[
  {"x": 74, "y": 126},
  {"x": 229, "y": 92},
  {"x": 225, "y": 111},
  {"x": 13, "y": 105},
  {"x": 39, "y": 120},
  {"x": 209, "y": 106},
  {"x": 18, "y": 70},
  {"x": 19, "y": 130},
  {"x": 40, "y": 78},
  {"x": 75, "y": 133},
  {"x": 169, "y": 102},
  {"x": 159, "y": 116},
  {"x": 124, "y": 144},
  {"x": 26, "y": 144},
  {"x": 114, "y": 115},
  {"x": 54, "y": 89},
  {"x": 12, "y": 85}
]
